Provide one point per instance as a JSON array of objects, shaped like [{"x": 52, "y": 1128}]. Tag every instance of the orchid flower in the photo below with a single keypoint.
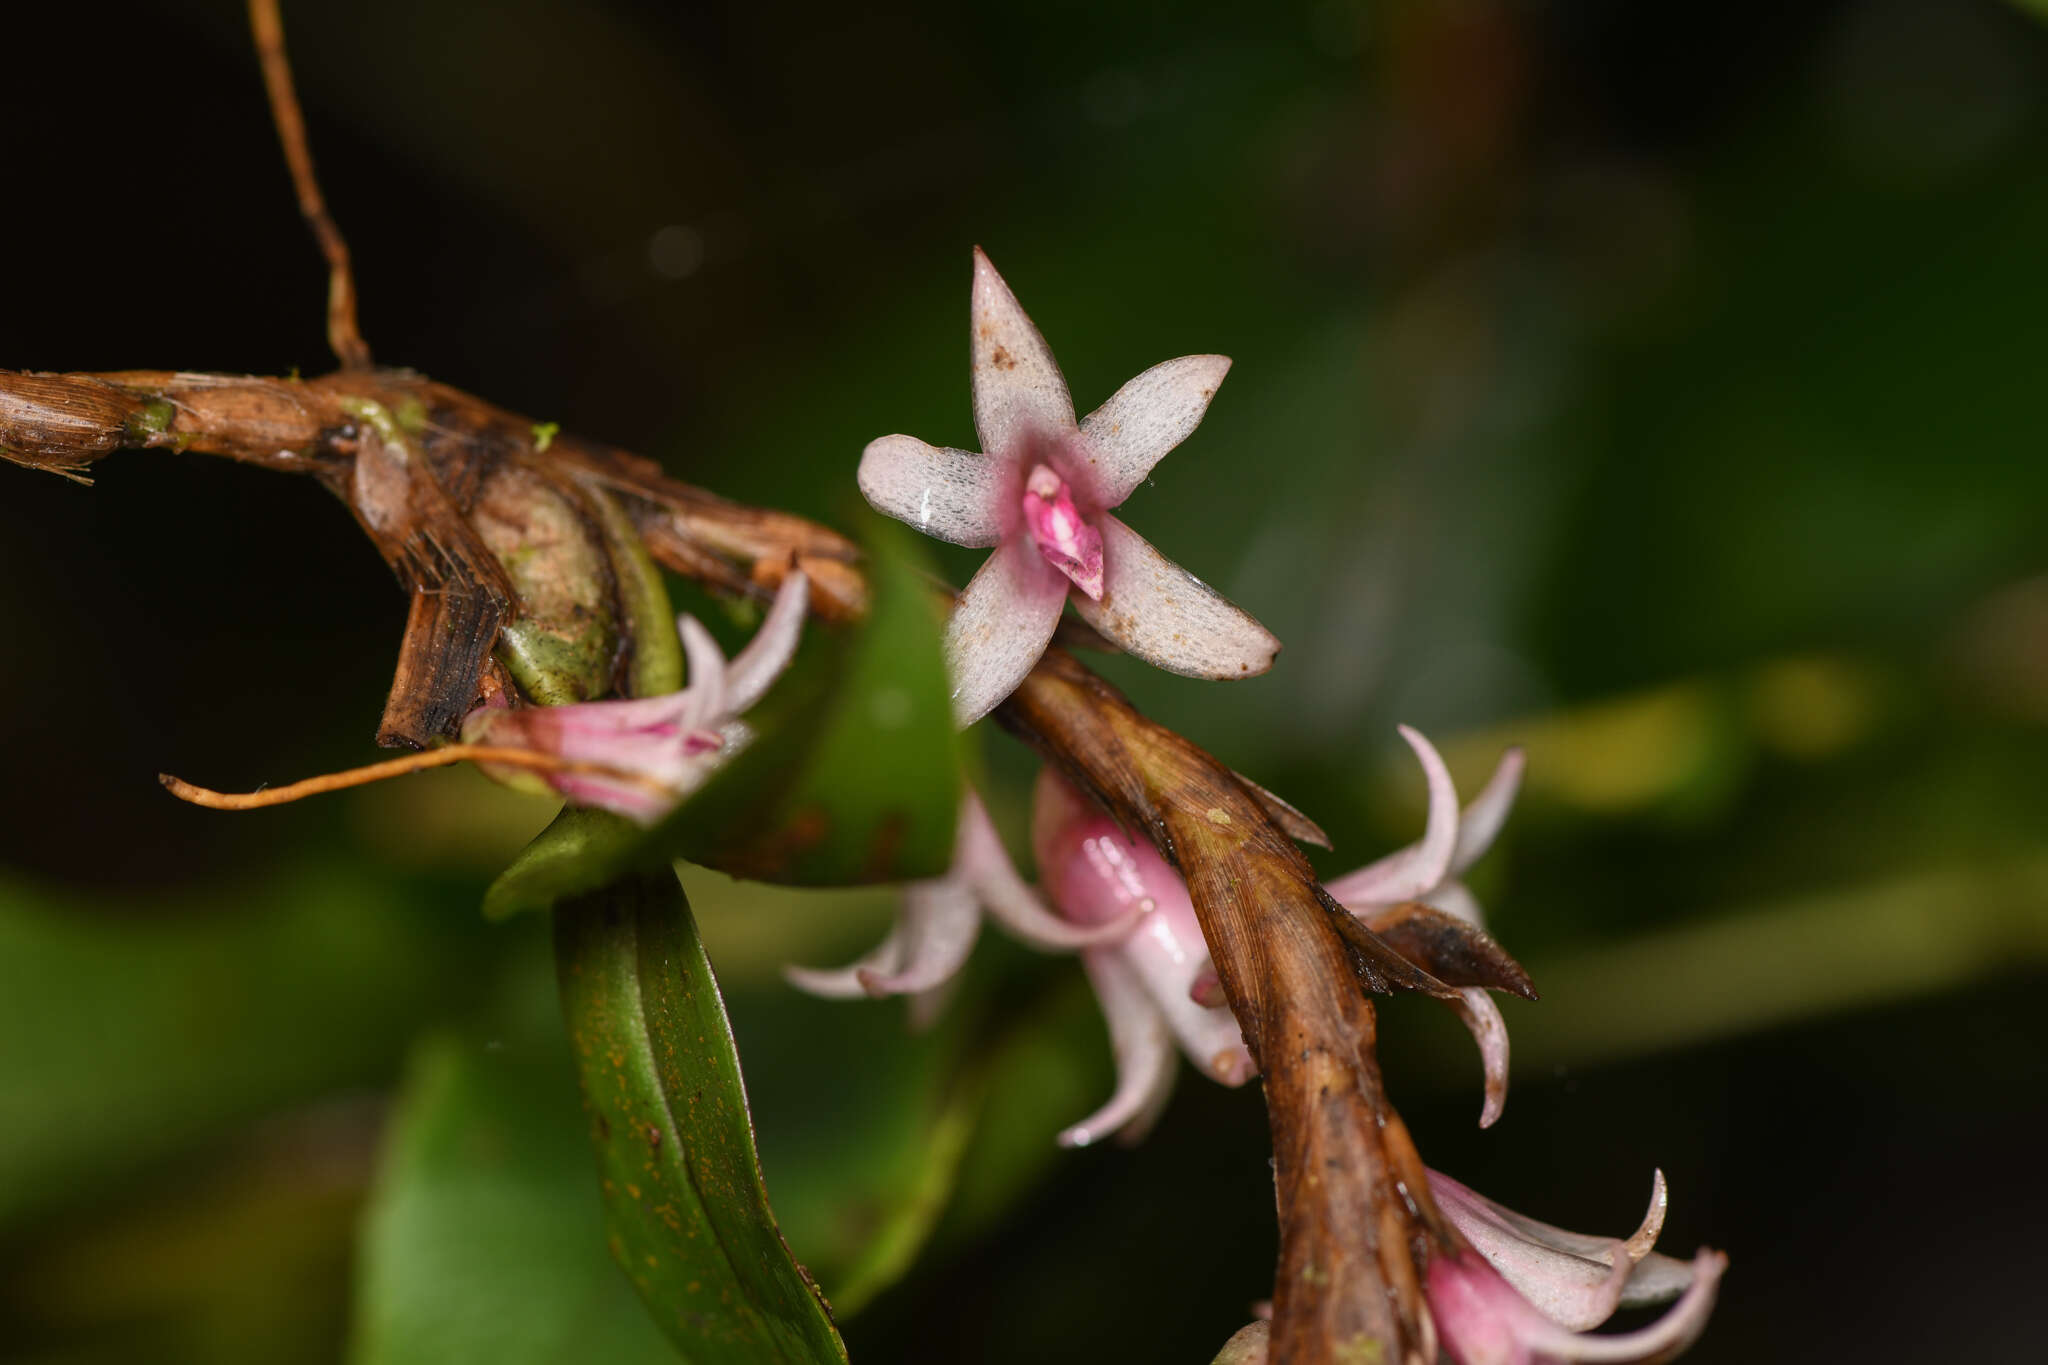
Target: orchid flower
[
  {"x": 673, "y": 742},
  {"x": 941, "y": 919},
  {"x": 1097, "y": 875},
  {"x": 1428, "y": 872},
  {"x": 1040, "y": 494},
  {"x": 1521, "y": 1292},
  {"x": 1525, "y": 1293}
]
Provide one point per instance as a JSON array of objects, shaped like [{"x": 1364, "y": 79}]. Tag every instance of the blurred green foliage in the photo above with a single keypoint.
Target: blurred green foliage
[{"x": 1651, "y": 385}]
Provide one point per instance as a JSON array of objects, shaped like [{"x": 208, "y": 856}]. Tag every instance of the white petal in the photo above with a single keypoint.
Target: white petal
[
  {"x": 1171, "y": 619},
  {"x": 1169, "y": 968},
  {"x": 761, "y": 660},
  {"x": 1000, "y": 627},
  {"x": 1573, "y": 1290},
  {"x": 1411, "y": 873},
  {"x": 954, "y": 495},
  {"x": 1019, "y": 394},
  {"x": 1143, "y": 1047},
  {"x": 844, "y": 983},
  {"x": 704, "y": 706},
  {"x": 1481, "y": 822},
  {"x": 1146, "y": 418},
  {"x": 940, "y": 922},
  {"x": 1661, "y": 1340},
  {"x": 1490, "y": 1032},
  {"x": 1570, "y": 1277},
  {"x": 983, "y": 862}
]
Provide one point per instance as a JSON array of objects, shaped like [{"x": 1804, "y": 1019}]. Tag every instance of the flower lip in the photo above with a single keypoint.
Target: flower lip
[{"x": 1060, "y": 531}]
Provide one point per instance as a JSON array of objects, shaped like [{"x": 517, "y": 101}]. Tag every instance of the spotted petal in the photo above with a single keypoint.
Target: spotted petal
[
  {"x": 1157, "y": 610},
  {"x": 1000, "y": 627},
  {"x": 1019, "y": 394},
  {"x": 1146, "y": 418},
  {"x": 954, "y": 495}
]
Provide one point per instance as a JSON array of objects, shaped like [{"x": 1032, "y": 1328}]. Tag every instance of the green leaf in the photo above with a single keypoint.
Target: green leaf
[
  {"x": 482, "y": 1244},
  {"x": 684, "y": 1204},
  {"x": 862, "y": 1127},
  {"x": 127, "y": 1037},
  {"x": 855, "y": 776},
  {"x": 877, "y": 791}
]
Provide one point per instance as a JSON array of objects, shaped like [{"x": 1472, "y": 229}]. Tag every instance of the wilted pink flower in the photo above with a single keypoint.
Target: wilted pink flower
[
  {"x": 941, "y": 919},
  {"x": 1524, "y": 1292},
  {"x": 1041, "y": 494},
  {"x": 675, "y": 741},
  {"x": 1097, "y": 875},
  {"x": 1428, "y": 872}
]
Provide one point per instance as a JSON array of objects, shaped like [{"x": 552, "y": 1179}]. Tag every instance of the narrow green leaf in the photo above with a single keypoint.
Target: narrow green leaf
[
  {"x": 482, "y": 1245},
  {"x": 684, "y": 1204}
]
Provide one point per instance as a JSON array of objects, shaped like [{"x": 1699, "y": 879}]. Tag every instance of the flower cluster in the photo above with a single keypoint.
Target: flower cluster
[
  {"x": 1517, "y": 1291},
  {"x": 1503, "y": 1289}
]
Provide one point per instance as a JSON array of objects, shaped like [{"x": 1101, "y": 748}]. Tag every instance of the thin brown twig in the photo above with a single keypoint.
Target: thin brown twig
[
  {"x": 446, "y": 756},
  {"x": 342, "y": 332}
]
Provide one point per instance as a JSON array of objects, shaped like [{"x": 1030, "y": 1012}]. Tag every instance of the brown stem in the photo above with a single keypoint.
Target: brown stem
[
  {"x": 342, "y": 333},
  {"x": 1356, "y": 1221}
]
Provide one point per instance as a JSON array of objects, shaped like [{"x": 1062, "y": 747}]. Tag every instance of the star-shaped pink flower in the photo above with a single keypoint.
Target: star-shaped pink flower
[{"x": 1041, "y": 494}]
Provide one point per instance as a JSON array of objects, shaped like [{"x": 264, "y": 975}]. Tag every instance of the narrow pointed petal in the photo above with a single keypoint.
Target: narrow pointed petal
[
  {"x": 985, "y": 865},
  {"x": 1644, "y": 1239},
  {"x": 940, "y": 923},
  {"x": 1584, "y": 1245},
  {"x": 1020, "y": 397},
  {"x": 954, "y": 495},
  {"x": 844, "y": 983},
  {"x": 762, "y": 659},
  {"x": 1480, "y": 825},
  {"x": 1490, "y": 1032},
  {"x": 1143, "y": 1046},
  {"x": 1483, "y": 1320},
  {"x": 1144, "y": 419},
  {"x": 1411, "y": 873},
  {"x": 1163, "y": 614},
  {"x": 1574, "y": 1279},
  {"x": 1000, "y": 627},
  {"x": 704, "y": 703}
]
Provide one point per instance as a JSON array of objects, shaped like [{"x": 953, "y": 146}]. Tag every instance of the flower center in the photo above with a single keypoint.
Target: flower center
[{"x": 1061, "y": 533}]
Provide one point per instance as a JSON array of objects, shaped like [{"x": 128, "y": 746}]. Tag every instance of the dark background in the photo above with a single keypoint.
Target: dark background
[{"x": 1659, "y": 386}]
